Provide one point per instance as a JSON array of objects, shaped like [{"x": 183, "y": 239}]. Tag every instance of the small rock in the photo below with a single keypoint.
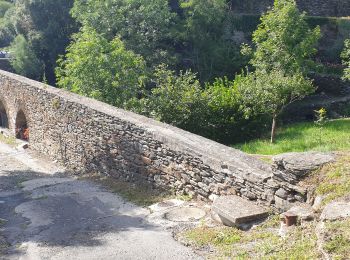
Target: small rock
[
  {"x": 336, "y": 211},
  {"x": 281, "y": 204},
  {"x": 213, "y": 197},
  {"x": 317, "y": 203},
  {"x": 282, "y": 193},
  {"x": 304, "y": 212}
]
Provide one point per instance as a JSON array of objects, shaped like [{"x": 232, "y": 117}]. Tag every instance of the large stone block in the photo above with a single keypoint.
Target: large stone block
[{"x": 235, "y": 211}]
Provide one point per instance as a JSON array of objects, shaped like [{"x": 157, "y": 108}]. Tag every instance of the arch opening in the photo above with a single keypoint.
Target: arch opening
[
  {"x": 3, "y": 116},
  {"x": 22, "y": 129}
]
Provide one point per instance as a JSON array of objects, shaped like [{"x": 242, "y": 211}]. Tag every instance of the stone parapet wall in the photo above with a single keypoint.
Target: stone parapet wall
[
  {"x": 334, "y": 8},
  {"x": 88, "y": 136}
]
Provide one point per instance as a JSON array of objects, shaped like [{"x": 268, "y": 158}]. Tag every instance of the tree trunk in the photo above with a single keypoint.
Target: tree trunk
[{"x": 273, "y": 129}]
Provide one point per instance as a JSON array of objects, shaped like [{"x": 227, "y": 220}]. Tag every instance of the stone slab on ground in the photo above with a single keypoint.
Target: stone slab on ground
[
  {"x": 336, "y": 211},
  {"x": 235, "y": 211}
]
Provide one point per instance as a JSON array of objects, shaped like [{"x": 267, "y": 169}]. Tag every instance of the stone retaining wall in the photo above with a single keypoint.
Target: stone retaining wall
[{"x": 88, "y": 136}]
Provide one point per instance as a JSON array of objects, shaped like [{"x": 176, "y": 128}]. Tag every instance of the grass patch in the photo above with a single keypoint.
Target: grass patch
[
  {"x": 262, "y": 242},
  {"x": 335, "y": 179},
  {"x": 338, "y": 239},
  {"x": 7, "y": 140},
  {"x": 142, "y": 195},
  {"x": 220, "y": 236},
  {"x": 301, "y": 137}
]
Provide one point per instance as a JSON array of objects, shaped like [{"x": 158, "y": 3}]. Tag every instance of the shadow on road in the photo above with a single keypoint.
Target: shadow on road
[{"x": 59, "y": 211}]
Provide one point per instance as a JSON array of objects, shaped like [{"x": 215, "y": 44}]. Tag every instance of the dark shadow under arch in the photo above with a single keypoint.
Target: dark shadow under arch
[
  {"x": 3, "y": 116},
  {"x": 22, "y": 129}
]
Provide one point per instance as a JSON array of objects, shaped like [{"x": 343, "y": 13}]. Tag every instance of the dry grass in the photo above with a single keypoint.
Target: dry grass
[
  {"x": 337, "y": 242},
  {"x": 332, "y": 181},
  {"x": 139, "y": 194},
  {"x": 262, "y": 242}
]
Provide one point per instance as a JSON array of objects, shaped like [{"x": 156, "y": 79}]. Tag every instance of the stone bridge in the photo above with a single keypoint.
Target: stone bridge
[{"x": 88, "y": 136}]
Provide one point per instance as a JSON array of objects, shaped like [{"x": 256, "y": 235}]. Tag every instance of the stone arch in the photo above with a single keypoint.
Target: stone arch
[
  {"x": 22, "y": 128},
  {"x": 4, "y": 122}
]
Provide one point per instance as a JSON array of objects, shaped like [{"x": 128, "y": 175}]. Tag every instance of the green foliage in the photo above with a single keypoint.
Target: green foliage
[
  {"x": 46, "y": 25},
  {"x": 226, "y": 120},
  {"x": 284, "y": 40},
  {"x": 102, "y": 69},
  {"x": 345, "y": 55},
  {"x": 207, "y": 34},
  {"x": 142, "y": 25},
  {"x": 25, "y": 61},
  {"x": 321, "y": 116},
  {"x": 4, "y": 7},
  {"x": 196, "y": 34},
  {"x": 269, "y": 93},
  {"x": 215, "y": 112},
  {"x": 283, "y": 46},
  {"x": 7, "y": 28},
  {"x": 177, "y": 99}
]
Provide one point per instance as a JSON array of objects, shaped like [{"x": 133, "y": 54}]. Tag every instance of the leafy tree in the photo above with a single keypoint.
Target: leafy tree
[
  {"x": 182, "y": 34},
  {"x": 25, "y": 61},
  {"x": 345, "y": 55},
  {"x": 102, "y": 69},
  {"x": 284, "y": 45},
  {"x": 46, "y": 26},
  {"x": 7, "y": 29},
  {"x": 207, "y": 41},
  {"x": 142, "y": 25},
  {"x": 284, "y": 40},
  {"x": 269, "y": 93}
]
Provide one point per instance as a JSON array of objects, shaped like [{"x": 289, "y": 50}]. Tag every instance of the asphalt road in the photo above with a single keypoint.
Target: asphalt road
[{"x": 49, "y": 215}]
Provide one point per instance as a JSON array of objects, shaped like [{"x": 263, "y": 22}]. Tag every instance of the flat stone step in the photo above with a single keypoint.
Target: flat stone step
[{"x": 235, "y": 211}]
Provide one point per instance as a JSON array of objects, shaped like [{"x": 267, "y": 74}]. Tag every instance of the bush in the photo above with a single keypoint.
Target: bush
[
  {"x": 214, "y": 112},
  {"x": 177, "y": 99}
]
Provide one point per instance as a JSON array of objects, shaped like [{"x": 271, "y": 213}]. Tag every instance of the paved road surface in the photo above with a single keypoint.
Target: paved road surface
[{"x": 52, "y": 216}]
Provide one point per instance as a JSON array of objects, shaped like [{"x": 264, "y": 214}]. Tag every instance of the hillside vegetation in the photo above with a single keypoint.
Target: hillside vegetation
[{"x": 200, "y": 65}]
